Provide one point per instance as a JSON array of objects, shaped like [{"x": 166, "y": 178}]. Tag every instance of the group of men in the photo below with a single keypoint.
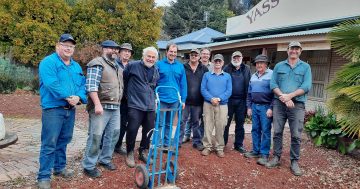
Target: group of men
[{"x": 120, "y": 98}]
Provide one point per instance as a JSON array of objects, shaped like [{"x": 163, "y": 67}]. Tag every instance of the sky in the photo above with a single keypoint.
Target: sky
[{"x": 163, "y": 2}]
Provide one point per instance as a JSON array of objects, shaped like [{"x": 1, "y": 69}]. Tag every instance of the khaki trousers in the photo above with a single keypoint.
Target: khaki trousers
[{"x": 214, "y": 117}]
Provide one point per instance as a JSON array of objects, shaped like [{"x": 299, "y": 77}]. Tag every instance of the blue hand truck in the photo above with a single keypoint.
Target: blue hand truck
[{"x": 161, "y": 169}]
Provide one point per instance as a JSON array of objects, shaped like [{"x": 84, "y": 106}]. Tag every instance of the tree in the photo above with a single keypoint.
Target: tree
[
  {"x": 345, "y": 88},
  {"x": 28, "y": 29},
  {"x": 133, "y": 21},
  {"x": 186, "y": 16},
  {"x": 242, "y": 6}
]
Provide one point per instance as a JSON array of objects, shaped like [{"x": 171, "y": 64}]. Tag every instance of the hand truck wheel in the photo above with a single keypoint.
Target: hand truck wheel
[{"x": 141, "y": 176}]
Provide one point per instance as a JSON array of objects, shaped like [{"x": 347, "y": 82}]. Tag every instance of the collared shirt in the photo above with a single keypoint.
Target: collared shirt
[
  {"x": 259, "y": 91},
  {"x": 289, "y": 79},
  {"x": 216, "y": 86},
  {"x": 94, "y": 74}
]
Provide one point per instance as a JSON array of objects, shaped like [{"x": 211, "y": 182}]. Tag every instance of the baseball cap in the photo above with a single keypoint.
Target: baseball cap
[
  {"x": 236, "y": 53},
  {"x": 127, "y": 46},
  {"x": 109, "y": 43},
  {"x": 218, "y": 57},
  {"x": 195, "y": 51},
  {"x": 66, "y": 37},
  {"x": 294, "y": 44}
]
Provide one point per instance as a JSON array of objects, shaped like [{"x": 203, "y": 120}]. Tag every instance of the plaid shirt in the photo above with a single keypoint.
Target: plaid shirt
[{"x": 93, "y": 81}]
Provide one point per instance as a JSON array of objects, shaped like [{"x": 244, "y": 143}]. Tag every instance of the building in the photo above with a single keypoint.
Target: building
[
  {"x": 190, "y": 41},
  {"x": 269, "y": 26}
]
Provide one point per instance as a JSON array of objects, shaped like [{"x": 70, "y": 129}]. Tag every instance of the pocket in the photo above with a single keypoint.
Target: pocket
[
  {"x": 79, "y": 79},
  {"x": 282, "y": 75},
  {"x": 106, "y": 91},
  {"x": 299, "y": 76}
]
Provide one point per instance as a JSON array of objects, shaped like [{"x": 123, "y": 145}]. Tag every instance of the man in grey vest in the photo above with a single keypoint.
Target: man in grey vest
[{"x": 104, "y": 84}]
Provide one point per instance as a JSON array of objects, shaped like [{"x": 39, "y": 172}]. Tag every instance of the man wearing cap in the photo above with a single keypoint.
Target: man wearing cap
[
  {"x": 124, "y": 55},
  {"x": 62, "y": 87},
  {"x": 291, "y": 81},
  {"x": 140, "y": 79},
  {"x": 216, "y": 89},
  {"x": 240, "y": 75},
  {"x": 194, "y": 101},
  {"x": 104, "y": 84},
  {"x": 172, "y": 73},
  {"x": 259, "y": 108}
]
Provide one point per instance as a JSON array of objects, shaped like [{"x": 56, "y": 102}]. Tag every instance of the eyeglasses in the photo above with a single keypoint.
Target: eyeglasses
[{"x": 67, "y": 46}]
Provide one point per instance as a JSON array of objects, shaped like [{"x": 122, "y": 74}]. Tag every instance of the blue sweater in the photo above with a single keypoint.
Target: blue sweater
[
  {"x": 59, "y": 81},
  {"x": 216, "y": 86},
  {"x": 171, "y": 75},
  {"x": 259, "y": 91}
]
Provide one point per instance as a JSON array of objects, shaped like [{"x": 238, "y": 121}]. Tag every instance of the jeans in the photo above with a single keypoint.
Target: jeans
[
  {"x": 261, "y": 129},
  {"x": 167, "y": 125},
  {"x": 188, "y": 129},
  {"x": 214, "y": 118},
  {"x": 123, "y": 124},
  {"x": 194, "y": 112},
  {"x": 108, "y": 122},
  {"x": 237, "y": 107},
  {"x": 136, "y": 118},
  {"x": 295, "y": 116},
  {"x": 56, "y": 133}
]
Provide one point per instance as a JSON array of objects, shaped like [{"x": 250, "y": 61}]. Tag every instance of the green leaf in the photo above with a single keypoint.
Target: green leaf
[
  {"x": 342, "y": 148},
  {"x": 351, "y": 147},
  {"x": 318, "y": 141},
  {"x": 313, "y": 134}
]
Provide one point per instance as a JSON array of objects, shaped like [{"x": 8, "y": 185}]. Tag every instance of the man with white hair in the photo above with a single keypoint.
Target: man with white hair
[
  {"x": 140, "y": 79},
  {"x": 240, "y": 75}
]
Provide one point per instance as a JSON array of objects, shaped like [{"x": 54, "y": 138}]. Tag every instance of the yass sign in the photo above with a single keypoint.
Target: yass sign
[{"x": 260, "y": 10}]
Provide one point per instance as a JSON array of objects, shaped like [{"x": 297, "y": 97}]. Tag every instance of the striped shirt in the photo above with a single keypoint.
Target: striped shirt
[{"x": 259, "y": 89}]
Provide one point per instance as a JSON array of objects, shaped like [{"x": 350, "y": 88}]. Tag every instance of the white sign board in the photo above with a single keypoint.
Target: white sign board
[{"x": 276, "y": 14}]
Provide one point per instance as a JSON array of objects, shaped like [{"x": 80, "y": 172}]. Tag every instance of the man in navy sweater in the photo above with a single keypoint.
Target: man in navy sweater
[{"x": 216, "y": 89}]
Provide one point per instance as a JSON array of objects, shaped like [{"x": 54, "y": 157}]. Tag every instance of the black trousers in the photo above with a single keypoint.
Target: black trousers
[
  {"x": 136, "y": 118},
  {"x": 123, "y": 124}
]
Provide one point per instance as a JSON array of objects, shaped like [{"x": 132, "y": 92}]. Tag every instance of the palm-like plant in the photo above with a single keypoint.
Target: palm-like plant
[{"x": 345, "y": 88}]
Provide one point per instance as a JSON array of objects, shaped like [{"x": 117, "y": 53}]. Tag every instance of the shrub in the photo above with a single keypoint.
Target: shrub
[{"x": 7, "y": 84}]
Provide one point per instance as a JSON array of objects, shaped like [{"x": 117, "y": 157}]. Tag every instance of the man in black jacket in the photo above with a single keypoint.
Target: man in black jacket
[
  {"x": 240, "y": 74},
  {"x": 140, "y": 78},
  {"x": 193, "y": 106}
]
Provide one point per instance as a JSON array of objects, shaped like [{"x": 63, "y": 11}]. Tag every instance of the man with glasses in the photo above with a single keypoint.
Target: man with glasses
[
  {"x": 240, "y": 74},
  {"x": 62, "y": 87},
  {"x": 104, "y": 84},
  {"x": 291, "y": 81},
  {"x": 216, "y": 89},
  {"x": 194, "y": 101}
]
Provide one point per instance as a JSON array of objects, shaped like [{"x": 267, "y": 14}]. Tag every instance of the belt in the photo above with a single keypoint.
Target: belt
[
  {"x": 261, "y": 104},
  {"x": 67, "y": 107}
]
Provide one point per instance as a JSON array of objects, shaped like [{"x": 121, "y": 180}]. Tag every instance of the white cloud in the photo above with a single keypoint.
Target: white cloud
[{"x": 163, "y": 2}]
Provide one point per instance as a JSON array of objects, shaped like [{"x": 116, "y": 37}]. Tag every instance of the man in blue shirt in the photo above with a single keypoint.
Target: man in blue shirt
[
  {"x": 259, "y": 103},
  {"x": 172, "y": 73},
  {"x": 216, "y": 89},
  {"x": 291, "y": 82},
  {"x": 62, "y": 86}
]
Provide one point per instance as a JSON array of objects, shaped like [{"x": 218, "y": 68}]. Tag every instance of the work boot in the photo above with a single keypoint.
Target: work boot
[
  {"x": 240, "y": 149},
  {"x": 109, "y": 166},
  {"x": 121, "y": 150},
  {"x": 130, "y": 161},
  {"x": 251, "y": 154},
  {"x": 262, "y": 161},
  {"x": 199, "y": 147},
  {"x": 295, "y": 169},
  {"x": 93, "y": 173},
  {"x": 44, "y": 184},
  {"x": 275, "y": 162},
  {"x": 65, "y": 173},
  {"x": 143, "y": 156},
  {"x": 186, "y": 139},
  {"x": 220, "y": 153},
  {"x": 205, "y": 152}
]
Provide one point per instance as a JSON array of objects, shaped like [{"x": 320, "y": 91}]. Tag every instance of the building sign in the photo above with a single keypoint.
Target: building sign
[{"x": 276, "y": 14}]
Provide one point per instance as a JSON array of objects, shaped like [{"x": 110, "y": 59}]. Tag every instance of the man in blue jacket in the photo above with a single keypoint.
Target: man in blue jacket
[
  {"x": 172, "y": 73},
  {"x": 140, "y": 78},
  {"x": 291, "y": 81},
  {"x": 62, "y": 87}
]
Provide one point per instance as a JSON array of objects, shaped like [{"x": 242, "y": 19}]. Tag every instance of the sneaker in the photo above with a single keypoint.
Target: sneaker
[
  {"x": 199, "y": 147},
  {"x": 130, "y": 161},
  {"x": 109, "y": 166},
  {"x": 275, "y": 162},
  {"x": 252, "y": 154},
  {"x": 240, "y": 149},
  {"x": 121, "y": 150},
  {"x": 94, "y": 173},
  {"x": 44, "y": 184},
  {"x": 262, "y": 161},
  {"x": 205, "y": 152},
  {"x": 65, "y": 173},
  {"x": 186, "y": 139},
  {"x": 220, "y": 154},
  {"x": 143, "y": 156},
  {"x": 295, "y": 169}
]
